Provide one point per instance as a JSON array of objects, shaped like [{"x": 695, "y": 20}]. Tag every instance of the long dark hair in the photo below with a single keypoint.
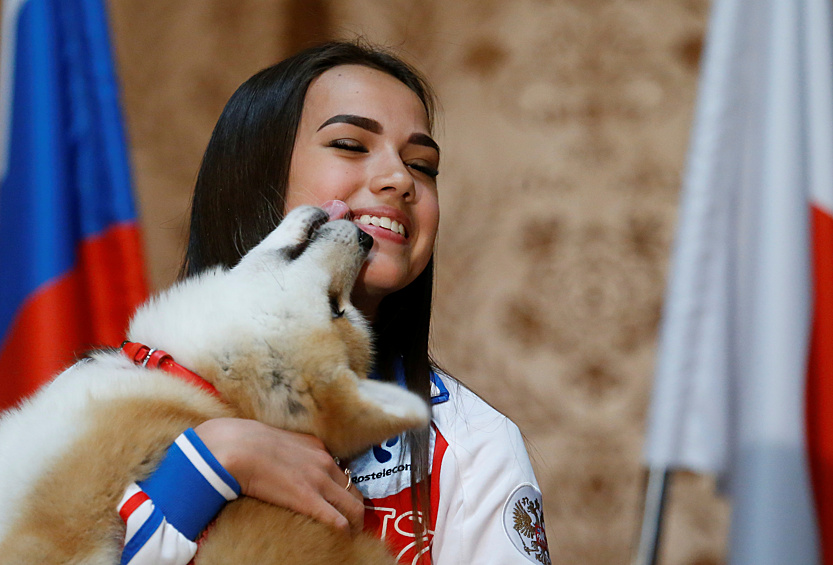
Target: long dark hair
[{"x": 240, "y": 197}]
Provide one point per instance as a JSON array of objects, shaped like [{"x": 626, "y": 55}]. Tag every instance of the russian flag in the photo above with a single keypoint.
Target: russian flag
[
  {"x": 744, "y": 381},
  {"x": 71, "y": 263}
]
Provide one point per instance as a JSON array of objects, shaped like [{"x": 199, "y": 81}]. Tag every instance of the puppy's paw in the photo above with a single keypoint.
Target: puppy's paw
[
  {"x": 396, "y": 403},
  {"x": 358, "y": 413}
]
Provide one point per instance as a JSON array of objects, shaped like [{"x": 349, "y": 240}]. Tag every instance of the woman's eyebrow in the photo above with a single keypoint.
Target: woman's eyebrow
[
  {"x": 373, "y": 126},
  {"x": 365, "y": 123},
  {"x": 422, "y": 139}
]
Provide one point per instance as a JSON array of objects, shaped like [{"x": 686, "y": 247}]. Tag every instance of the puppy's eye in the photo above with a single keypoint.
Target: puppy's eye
[{"x": 335, "y": 309}]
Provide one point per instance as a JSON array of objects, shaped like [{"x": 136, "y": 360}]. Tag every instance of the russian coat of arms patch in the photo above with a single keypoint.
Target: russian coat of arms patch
[{"x": 523, "y": 521}]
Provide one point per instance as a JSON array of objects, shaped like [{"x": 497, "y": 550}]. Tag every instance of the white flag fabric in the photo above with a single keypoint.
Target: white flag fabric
[{"x": 730, "y": 385}]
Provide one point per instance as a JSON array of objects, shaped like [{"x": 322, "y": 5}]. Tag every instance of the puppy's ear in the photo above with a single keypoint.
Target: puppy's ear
[{"x": 359, "y": 413}]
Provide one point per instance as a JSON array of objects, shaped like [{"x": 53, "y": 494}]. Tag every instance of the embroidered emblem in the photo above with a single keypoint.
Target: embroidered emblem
[{"x": 523, "y": 521}]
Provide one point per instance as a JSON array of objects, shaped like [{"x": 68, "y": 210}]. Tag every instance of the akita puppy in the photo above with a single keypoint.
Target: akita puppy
[{"x": 278, "y": 338}]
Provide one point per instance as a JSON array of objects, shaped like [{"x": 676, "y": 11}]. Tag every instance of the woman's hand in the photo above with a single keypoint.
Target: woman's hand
[{"x": 284, "y": 468}]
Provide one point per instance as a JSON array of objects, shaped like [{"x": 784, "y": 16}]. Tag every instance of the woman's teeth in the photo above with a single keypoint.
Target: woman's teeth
[{"x": 383, "y": 222}]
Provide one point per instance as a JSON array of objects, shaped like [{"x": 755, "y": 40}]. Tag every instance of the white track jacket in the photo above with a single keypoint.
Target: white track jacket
[{"x": 486, "y": 504}]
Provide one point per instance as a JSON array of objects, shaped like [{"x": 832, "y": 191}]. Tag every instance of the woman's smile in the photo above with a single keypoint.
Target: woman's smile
[{"x": 385, "y": 222}]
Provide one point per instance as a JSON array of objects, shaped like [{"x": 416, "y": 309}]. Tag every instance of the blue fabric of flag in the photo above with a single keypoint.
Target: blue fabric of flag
[{"x": 67, "y": 175}]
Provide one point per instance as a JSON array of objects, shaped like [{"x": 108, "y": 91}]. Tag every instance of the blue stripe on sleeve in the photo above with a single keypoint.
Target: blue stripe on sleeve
[
  {"x": 208, "y": 457},
  {"x": 142, "y": 536},
  {"x": 182, "y": 494}
]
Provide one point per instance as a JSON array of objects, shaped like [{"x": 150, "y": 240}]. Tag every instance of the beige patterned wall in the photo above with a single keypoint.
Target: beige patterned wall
[{"x": 564, "y": 130}]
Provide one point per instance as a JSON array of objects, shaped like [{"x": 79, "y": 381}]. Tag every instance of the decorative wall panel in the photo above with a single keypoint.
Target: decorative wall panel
[{"x": 564, "y": 128}]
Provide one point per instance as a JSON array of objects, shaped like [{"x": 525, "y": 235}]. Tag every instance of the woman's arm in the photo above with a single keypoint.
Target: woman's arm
[
  {"x": 489, "y": 509},
  {"x": 219, "y": 459}
]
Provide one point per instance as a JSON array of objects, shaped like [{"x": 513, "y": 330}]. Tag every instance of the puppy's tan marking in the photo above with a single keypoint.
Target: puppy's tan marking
[{"x": 74, "y": 503}]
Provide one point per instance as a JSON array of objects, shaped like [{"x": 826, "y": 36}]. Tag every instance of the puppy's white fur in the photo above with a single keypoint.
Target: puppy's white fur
[{"x": 276, "y": 335}]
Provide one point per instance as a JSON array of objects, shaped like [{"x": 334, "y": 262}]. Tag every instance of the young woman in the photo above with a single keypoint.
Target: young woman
[{"x": 349, "y": 127}]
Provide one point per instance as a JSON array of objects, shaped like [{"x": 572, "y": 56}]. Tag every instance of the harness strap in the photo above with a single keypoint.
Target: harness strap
[{"x": 145, "y": 356}]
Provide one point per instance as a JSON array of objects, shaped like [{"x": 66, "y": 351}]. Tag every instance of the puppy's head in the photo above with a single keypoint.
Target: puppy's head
[
  {"x": 280, "y": 321},
  {"x": 302, "y": 330},
  {"x": 279, "y": 338}
]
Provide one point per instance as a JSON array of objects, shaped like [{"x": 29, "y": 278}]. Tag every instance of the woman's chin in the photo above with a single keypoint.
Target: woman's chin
[
  {"x": 370, "y": 289},
  {"x": 379, "y": 277}
]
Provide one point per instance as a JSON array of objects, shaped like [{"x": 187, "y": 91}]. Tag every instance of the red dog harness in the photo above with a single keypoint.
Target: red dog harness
[{"x": 145, "y": 356}]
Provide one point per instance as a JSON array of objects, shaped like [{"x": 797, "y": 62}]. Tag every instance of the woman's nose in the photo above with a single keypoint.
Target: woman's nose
[{"x": 393, "y": 176}]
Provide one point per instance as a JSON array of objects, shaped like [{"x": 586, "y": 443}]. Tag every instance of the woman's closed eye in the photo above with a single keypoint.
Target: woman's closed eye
[
  {"x": 424, "y": 168},
  {"x": 348, "y": 145}
]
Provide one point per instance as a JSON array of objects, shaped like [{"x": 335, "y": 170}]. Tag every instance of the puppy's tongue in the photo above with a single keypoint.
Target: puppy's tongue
[{"x": 337, "y": 209}]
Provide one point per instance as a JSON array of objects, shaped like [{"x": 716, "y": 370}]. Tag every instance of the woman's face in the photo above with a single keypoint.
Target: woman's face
[{"x": 364, "y": 139}]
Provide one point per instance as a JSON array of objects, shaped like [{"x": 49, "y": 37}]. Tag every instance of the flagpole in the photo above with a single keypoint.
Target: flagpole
[{"x": 649, "y": 538}]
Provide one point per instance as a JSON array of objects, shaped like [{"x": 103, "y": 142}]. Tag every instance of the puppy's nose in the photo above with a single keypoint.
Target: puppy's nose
[{"x": 365, "y": 240}]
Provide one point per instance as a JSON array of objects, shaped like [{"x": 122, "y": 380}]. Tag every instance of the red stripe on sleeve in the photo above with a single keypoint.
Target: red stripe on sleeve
[
  {"x": 132, "y": 504},
  {"x": 440, "y": 445}
]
